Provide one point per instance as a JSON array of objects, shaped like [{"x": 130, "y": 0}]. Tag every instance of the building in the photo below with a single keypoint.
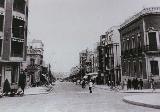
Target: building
[
  {"x": 113, "y": 55},
  {"x": 34, "y": 63},
  {"x": 95, "y": 58},
  {"x": 13, "y": 38},
  {"x": 140, "y": 42},
  {"x": 109, "y": 56},
  {"x": 86, "y": 62},
  {"x": 101, "y": 79}
]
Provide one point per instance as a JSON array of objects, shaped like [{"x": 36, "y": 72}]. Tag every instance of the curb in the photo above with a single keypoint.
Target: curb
[
  {"x": 141, "y": 104},
  {"x": 137, "y": 92},
  {"x": 35, "y": 94},
  {"x": 47, "y": 91}
]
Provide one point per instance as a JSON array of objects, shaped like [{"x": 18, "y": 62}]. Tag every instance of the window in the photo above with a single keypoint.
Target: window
[
  {"x": 154, "y": 67},
  {"x": 0, "y": 47},
  {"x": 0, "y": 75},
  {"x": 152, "y": 41},
  {"x": 1, "y": 3},
  {"x": 133, "y": 43},
  {"x": 14, "y": 74},
  {"x": 16, "y": 49},
  {"x": 18, "y": 28},
  {"x": 19, "y": 5},
  {"x": 32, "y": 61},
  {"x": 1, "y": 22},
  {"x": 140, "y": 68},
  {"x": 139, "y": 41},
  {"x": 135, "y": 68}
]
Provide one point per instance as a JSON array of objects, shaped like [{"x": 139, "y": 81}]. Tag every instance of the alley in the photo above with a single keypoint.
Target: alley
[{"x": 68, "y": 97}]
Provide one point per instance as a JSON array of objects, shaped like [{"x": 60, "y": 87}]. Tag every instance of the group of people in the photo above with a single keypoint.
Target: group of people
[
  {"x": 7, "y": 90},
  {"x": 135, "y": 83}
]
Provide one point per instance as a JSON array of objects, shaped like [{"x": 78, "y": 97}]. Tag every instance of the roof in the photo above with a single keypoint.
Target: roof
[{"x": 145, "y": 11}]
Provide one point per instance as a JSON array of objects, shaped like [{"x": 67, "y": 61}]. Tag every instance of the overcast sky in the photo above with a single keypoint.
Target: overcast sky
[{"x": 68, "y": 26}]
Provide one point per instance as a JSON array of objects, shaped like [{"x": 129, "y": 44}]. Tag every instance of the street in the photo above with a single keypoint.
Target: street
[{"x": 68, "y": 97}]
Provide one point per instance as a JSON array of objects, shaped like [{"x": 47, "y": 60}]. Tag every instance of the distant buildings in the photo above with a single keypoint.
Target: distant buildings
[
  {"x": 34, "y": 62},
  {"x": 86, "y": 62},
  {"x": 13, "y": 39}
]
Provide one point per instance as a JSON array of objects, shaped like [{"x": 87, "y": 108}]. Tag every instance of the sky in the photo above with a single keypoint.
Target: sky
[{"x": 67, "y": 27}]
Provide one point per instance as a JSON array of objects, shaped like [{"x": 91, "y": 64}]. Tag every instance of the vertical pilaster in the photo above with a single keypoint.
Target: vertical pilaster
[{"x": 7, "y": 30}]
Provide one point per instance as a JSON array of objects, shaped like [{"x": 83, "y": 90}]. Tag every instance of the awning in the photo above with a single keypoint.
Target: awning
[
  {"x": 92, "y": 74},
  {"x": 85, "y": 77},
  {"x": 93, "y": 77}
]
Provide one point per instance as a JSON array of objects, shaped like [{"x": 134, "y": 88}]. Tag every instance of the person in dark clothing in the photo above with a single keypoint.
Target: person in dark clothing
[
  {"x": 129, "y": 83},
  {"x": 22, "y": 80},
  {"x": 6, "y": 87},
  {"x": 133, "y": 83},
  {"x": 141, "y": 84},
  {"x": 83, "y": 84},
  {"x": 136, "y": 83}
]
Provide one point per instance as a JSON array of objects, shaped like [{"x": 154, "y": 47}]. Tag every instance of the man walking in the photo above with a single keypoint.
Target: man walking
[
  {"x": 22, "y": 80},
  {"x": 140, "y": 84},
  {"x": 90, "y": 86}
]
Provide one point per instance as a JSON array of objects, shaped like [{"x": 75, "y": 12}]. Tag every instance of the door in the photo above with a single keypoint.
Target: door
[{"x": 8, "y": 71}]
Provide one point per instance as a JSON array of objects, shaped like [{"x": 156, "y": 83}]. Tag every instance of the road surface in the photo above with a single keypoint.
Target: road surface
[{"x": 68, "y": 97}]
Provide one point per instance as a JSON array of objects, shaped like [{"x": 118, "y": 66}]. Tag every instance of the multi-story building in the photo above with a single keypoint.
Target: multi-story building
[
  {"x": 95, "y": 58},
  {"x": 109, "y": 56},
  {"x": 140, "y": 42},
  {"x": 101, "y": 61},
  {"x": 112, "y": 55},
  {"x": 13, "y": 38},
  {"x": 34, "y": 62},
  {"x": 86, "y": 62},
  {"x": 82, "y": 62}
]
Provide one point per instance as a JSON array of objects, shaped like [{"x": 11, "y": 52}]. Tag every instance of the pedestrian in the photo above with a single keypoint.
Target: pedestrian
[
  {"x": 128, "y": 84},
  {"x": 141, "y": 84},
  {"x": 125, "y": 84},
  {"x": 6, "y": 87},
  {"x": 153, "y": 84},
  {"x": 90, "y": 86},
  {"x": 136, "y": 84},
  {"x": 83, "y": 84},
  {"x": 22, "y": 80},
  {"x": 109, "y": 83},
  {"x": 122, "y": 85},
  {"x": 133, "y": 83}
]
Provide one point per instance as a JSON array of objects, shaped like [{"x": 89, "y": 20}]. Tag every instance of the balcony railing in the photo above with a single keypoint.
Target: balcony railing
[{"x": 138, "y": 51}]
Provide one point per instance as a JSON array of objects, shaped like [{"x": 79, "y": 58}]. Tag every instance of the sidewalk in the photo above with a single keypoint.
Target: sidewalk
[
  {"x": 37, "y": 90},
  {"x": 150, "y": 99},
  {"x": 105, "y": 87},
  {"x": 146, "y": 100}
]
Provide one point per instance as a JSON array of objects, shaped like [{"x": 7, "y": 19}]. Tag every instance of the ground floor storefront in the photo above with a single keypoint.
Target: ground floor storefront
[
  {"x": 9, "y": 71},
  {"x": 145, "y": 67}
]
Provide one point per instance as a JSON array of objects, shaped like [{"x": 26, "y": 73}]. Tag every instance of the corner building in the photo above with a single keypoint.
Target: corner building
[
  {"x": 140, "y": 46},
  {"x": 13, "y": 38}
]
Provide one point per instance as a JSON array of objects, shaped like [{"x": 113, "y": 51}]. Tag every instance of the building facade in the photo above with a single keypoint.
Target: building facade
[
  {"x": 140, "y": 41},
  {"x": 109, "y": 56},
  {"x": 13, "y": 38},
  {"x": 34, "y": 62},
  {"x": 86, "y": 64}
]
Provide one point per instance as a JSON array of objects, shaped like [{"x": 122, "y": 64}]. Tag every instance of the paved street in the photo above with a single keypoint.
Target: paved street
[{"x": 68, "y": 97}]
